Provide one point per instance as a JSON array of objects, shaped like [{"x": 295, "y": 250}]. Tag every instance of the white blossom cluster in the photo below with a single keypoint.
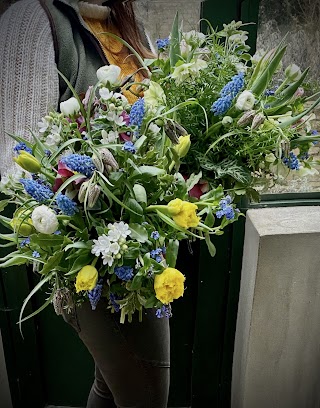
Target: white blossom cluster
[{"x": 111, "y": 246}]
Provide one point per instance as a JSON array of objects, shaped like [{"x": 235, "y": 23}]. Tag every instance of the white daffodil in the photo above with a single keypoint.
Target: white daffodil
[
  {"x": 44, "y": 220},
  {"x": 109, "y": 75},
  {"x": 109, "y": 137},
  {"x": 70, "y": 107},
  {"x": 245, "y": 101}
]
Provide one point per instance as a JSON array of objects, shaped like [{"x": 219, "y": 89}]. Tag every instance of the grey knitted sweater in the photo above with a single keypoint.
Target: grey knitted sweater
[{"x": 29, "y": 83}]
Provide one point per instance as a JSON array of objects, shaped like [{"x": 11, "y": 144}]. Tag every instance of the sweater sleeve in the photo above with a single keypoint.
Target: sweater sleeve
[{"x": 29, "y": 83}]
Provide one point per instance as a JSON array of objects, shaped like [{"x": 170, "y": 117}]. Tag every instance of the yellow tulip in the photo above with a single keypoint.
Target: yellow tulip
[
  {"x": 28, "y": 162},
  {"x": 23, "y": 227},
  {"x": 183, "y": 146},
  {"x": 183, "y": 213},
  {"x": 87, "y": 278},
  {"x": 169, "y": 285}
]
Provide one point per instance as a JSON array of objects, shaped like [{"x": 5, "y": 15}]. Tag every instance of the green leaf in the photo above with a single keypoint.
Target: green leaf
[
  {"x": 80, "y": 262},
  {"x": 193, "y": 180},
  {"x": 34, "y": 290},
  {"x": 47, "y": 302},
  {"x": 136, "y": 282},
  {"x": 79, "y": 244},
  {"x": 211, "y": 248},
  {"x": 45, "y": 240},
  {"x": 138, "y": 232},
  {"x": 3, "y": 204},
  {"x": 227, "y": 167},
  {"x": 140, "y": 193},
  {"x": 52, "y": 261},
  {"x": 172, "y": 252},
  {"x": 136, "y": 210},
  {"x": 175, "y": 51},
  {"x": 150, "y": 171},
  {"x": 210, "y": 219},
  {"x": 17, "y": 260},
  {"x": 213, "y": 195},
  {"x": 9, "y": 237},
  {"x": 151, "y": 302}
]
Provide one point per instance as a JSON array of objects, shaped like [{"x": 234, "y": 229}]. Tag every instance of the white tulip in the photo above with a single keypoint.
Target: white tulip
[
  {"x": 293, "y": 72},
  {"x": 109, "y": 74},
  {"x": 70, "y": 107},
  {"x": 245, "y": 101},
  {"x": 44, "y": 220}
]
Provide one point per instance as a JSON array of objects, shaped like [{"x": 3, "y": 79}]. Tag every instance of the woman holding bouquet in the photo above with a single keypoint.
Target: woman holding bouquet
[{"x": 40, "y": 37}]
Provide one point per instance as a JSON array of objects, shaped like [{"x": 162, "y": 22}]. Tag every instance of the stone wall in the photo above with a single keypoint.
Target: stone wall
[{"x": 300, "y": 19}]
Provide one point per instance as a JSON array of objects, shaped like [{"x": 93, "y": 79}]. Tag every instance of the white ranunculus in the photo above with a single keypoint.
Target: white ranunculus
[
  {"x": 245, "y": 101},
  {"x": 109, "y": 74},
  {"x": 154, "y": 95},
  {"x": 70, "y": 107},
  {"x": 44, "y": 220}
]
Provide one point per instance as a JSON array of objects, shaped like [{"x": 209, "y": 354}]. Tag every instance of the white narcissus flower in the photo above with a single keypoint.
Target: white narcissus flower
[
  {"x": 154, "y": 95},
  {"x": 44, "y": 220},
  {"x": 245, "y": 101},
  {"x": 109, "y": 74},
  {"x": 70, "y": 106}
]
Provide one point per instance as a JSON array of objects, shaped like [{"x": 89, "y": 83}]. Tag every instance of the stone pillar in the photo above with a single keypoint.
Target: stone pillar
[{"x": 277, "y": 348}]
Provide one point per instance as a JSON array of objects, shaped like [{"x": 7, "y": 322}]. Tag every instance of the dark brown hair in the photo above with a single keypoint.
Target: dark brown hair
[{"x": 123, "y": 16}]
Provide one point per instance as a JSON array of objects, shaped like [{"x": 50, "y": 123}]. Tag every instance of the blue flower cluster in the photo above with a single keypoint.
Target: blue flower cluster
[
  {"x": 24, "y": 242},
  {"x": 22, "y": 146},
  {"x": 113, "y": 300},
  {"x": 157, "y": 254},
  {"x": 137, "y": 113},
  {"x": 36, "y": 190},
  {"x": 304, "y": 156},
  {"x": 124, "y": 272},
  {"x": 129, "y": 147},
  {"x": 269, "y": 92},
  {"x": 226, "y": 209},
  {"x": 95, "y": 295},
  {"x": 155, "y": 235},
  {"x": 81, "y": 163},
  {"x": 227, "y": 94},
  {"x": 292, "y": 161},
  {"x": 164, "y": 311},
  {"x": 162, "y": 43},
  {"x": 66, "y": 205},
  {"x": 36, "y": 254}
]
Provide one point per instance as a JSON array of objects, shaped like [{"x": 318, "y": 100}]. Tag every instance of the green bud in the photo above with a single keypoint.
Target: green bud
[{"x": 28, "y": 162}]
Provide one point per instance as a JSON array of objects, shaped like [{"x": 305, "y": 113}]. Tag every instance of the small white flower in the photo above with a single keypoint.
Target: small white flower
[
  {"x": 109, "y": 74},
  {"x": 109, "y": 137},
  {"x": 117, "y": 119},
  {"x": 44, "y": 220},
  {"x": 122, "y": 97},
  {"x": 107, "y": 259},
  {"x": 101, "y": 245},
  {"x": 114, "y": 235},
  {"x": 70, "y": 107},
  {"x": 238, "y": 38},
  {"x": 105, "y": 94},
  {"x": 115, "y": 248},
  {"x": 155, "y": 129},
  {"x": 123, "y": 228},
  {"x": 194, "y": 37},
  {"x": 245, "y": 101},
  {"x": 43, "y": 125}
]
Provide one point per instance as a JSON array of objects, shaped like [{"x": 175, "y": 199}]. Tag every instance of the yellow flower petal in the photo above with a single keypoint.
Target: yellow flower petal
[
  {"x": 87, "y": 278},
  {"x": 169, "y": 285}
]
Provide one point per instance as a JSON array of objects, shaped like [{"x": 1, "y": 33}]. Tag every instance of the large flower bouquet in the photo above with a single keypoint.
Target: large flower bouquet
[
  {"x": 101, "y": 204},
  {"x": 252, "y": 125}
]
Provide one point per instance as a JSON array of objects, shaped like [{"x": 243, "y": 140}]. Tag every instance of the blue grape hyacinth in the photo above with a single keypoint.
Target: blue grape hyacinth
[
  {"x": 79, "y": 162},
  {"x": 95, "y": 295},
  {"x": 66, "y": 205},
  {"x": 292, "y": 161},
  {"x": 36, "y": 190},
  {"x": 124, "y": 273}
]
